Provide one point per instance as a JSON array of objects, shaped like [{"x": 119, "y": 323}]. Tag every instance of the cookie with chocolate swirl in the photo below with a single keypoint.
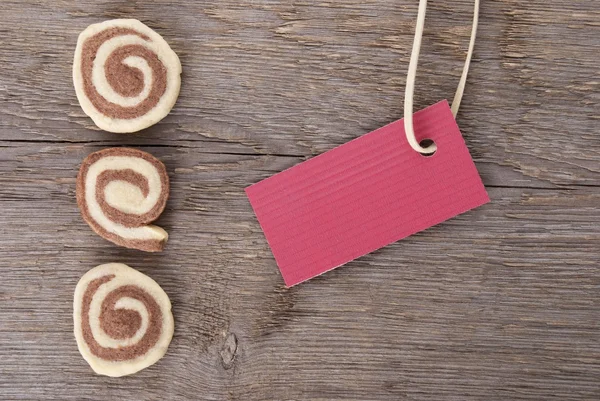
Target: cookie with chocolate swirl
[
  {"x": 119, "y": 192},
  {"x": 126, "y": 76},
  {"x": 123, "y": 320}
]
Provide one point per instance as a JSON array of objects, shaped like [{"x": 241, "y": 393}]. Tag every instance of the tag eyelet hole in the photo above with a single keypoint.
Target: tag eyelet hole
[{"x": 425, "y": 143}]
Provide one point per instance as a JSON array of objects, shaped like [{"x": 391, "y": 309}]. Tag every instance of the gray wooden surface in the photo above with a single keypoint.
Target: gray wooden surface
[{"x": 504, "y": 306}]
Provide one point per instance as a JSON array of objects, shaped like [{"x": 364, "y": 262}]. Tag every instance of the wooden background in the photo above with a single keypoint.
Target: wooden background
[{"x": 501, "y": 303}]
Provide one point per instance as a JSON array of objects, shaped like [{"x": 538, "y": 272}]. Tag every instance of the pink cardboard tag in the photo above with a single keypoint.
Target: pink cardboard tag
[{"x": 366, "y": 194}]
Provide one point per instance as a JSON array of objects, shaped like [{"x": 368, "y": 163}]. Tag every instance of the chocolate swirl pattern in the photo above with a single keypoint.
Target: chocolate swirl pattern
[
  {"x": 123, "y": 320},
  {"x": 126, "y": 76},
  {"x": 119, "y": 192}
]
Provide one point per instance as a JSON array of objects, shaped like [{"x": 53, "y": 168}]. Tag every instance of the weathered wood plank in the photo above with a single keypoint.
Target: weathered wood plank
[
  {"x": 319, "y": 75},
  {"x": 508, "y": 297},
  {"x": 504, "y": 306}
]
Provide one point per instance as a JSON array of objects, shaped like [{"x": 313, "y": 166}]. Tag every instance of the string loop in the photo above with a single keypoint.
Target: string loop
[{"x": 412, "y": 73}]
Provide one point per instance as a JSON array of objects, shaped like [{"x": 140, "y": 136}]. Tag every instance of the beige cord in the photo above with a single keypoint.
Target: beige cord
[{"x": 412, "y": 74}]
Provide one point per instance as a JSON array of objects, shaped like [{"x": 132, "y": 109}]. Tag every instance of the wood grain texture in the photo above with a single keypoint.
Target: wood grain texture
[{"x": 506, "y": 306}]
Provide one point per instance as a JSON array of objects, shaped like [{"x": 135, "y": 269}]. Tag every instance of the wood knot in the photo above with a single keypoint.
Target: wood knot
[{"x": 228, "y": 351}]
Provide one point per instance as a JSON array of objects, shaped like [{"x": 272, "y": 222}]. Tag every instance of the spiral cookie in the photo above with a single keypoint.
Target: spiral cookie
[
  {"x": 123, "y": 320},
  {"x": 126, "y": 76},
  {"x": 119, "y": 192}
]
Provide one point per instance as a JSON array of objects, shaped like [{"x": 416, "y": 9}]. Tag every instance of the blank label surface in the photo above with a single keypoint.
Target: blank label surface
[{"x": 365, "y": 194}]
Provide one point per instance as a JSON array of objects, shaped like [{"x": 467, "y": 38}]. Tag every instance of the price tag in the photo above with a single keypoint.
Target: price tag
[{"x": 366, "y": 194}]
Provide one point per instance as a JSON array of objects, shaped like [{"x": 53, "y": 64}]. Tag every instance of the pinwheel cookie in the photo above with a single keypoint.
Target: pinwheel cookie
[
  {"x": 119, "y": 192},
  {"x": 126, "y": 76},
  {"x": 123, "y": 320}
]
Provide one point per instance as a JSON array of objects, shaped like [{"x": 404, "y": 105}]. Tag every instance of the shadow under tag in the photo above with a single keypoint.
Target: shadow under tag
[{"x": 366, "y": 194}]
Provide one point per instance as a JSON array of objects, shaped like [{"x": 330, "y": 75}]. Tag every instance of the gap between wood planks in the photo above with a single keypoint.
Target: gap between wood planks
[{"x": 301, "y": 157}]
